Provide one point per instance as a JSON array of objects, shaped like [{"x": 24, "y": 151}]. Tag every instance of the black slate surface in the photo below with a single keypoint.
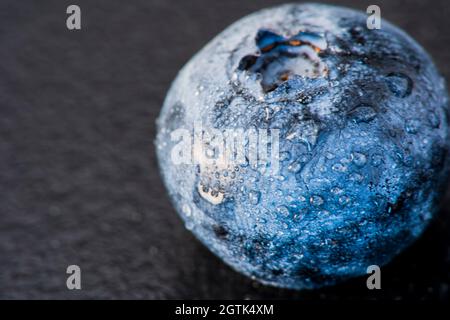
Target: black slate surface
[{"x": 79, "y": 182}]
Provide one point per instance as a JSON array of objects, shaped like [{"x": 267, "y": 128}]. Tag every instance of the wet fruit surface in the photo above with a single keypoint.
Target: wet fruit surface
[{"x": 362, "y": 147}]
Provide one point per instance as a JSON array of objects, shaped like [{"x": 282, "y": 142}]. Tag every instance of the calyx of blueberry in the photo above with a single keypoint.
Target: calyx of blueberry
[{"x": 279, "y": 58}]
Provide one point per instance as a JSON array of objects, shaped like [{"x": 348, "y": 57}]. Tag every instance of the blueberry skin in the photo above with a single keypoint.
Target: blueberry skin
[{"x": 363, "y": 144}]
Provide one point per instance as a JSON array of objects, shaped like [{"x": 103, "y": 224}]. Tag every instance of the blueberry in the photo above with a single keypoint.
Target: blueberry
[{"x": 355, "y": 124}]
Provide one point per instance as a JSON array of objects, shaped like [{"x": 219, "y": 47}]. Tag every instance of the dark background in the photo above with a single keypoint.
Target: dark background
[{"x": 79, "y": 182}]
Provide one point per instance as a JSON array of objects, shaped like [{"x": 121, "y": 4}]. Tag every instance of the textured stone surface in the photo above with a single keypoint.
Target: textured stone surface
[{"x": 79, "y": 180}]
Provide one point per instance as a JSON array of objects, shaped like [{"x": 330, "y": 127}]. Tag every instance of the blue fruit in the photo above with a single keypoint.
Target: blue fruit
[{"x": 361, "y": 151}]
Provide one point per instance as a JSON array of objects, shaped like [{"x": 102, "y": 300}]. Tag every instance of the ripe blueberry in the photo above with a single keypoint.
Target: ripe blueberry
[{"x": 361, "y": 149}]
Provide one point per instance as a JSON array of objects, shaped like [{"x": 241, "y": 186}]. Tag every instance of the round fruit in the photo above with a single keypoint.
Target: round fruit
[{"x": 343, "y": 132}]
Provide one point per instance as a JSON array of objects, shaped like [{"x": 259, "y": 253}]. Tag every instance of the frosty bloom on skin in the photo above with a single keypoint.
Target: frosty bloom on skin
[
  {"x": 363, "y": 144},
  {"x": 205, "y": 147}
]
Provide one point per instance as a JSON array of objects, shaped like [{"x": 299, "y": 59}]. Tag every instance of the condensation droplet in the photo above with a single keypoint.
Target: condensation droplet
[
  {"x": 339, "y": 167},
  {"x": 189, "y": 225},
  {"x": 186, "y": 210},
  {"x": 295, "y": 167},
  {"x": 377, "y": 159},
  {"x": 336, "y": 190},
  {"x": 359, "y": 159},
  {"x": 399, "y": 84},
  {"x": 362, "y": 113},
  {"x": 434, "y": 120},
  {"x": 285, "y": 156},
  {"x": 329, "y": 155},
  {"x": 316, "y": 200},
  {"x": 343, "y": 200},
  {"x": 412, "y": 126},
  {"x": 356, "y": 177},
  {"x": 283, "y": 211},
  {"x": 254, "y": 196}
]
